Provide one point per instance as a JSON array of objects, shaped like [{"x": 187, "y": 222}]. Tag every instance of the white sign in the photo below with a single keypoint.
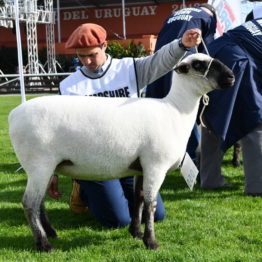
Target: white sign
[{"x": 189, "y": 171}]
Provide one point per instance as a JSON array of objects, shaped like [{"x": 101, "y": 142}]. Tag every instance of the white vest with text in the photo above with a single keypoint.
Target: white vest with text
[{"x": 118, "y": 80}]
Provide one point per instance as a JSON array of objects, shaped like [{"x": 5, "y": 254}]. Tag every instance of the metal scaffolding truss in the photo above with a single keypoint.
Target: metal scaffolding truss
[
  {"x": 31, "y": 32},
  {"x": 33, "y": 12},
  {"x": 50, "y": 37}
]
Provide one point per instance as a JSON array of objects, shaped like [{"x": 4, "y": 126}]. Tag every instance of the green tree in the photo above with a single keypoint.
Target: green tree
[{"x": 116, "y": 50}]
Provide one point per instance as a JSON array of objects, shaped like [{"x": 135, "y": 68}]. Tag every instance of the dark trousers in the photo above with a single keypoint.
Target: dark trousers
[{"x": 111, "y": 201}]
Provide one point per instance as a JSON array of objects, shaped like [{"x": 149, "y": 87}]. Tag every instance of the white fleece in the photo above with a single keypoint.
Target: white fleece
[{"x": 103, "y": 136}]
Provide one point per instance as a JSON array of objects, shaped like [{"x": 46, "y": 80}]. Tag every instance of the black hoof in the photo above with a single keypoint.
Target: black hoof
[
  {"x": 136, "y": 233},
  {"x": 151, "y": 244},
  {"x": 51, "y": 233},
  {"x": 44, "y": 248},
  {"x": 236, "y": 163}
]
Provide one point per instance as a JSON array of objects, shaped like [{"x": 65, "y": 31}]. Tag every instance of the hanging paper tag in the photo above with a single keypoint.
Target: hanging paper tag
[{"x": 189, "y": 171}]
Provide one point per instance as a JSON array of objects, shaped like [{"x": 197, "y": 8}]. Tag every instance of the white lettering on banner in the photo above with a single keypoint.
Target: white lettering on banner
[
  {"x": 252, "y": 28},
  {"x": 102, "y": 13},
  {"x": 145, "y": 11},
  {"x": 98, "y": 13},
  {"x": 136, "y": 11},
  {"x": 67, "y": 16},
  {"x": 176, "y": 7},
  {"x": 152, "y": 8},
  {"x": 108, "y": 13},
  {"x": 129, "y": 11},
  {"x": 117, "y": 12},
  {"x": 75, "y": 15}
]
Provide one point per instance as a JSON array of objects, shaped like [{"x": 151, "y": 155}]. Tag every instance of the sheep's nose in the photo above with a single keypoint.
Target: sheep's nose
[
  {"x": 231, "y": 78},
  {"x": 228, "y": 80}
]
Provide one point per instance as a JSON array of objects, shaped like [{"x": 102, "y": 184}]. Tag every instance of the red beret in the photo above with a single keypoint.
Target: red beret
[{"x": 86, "y": 35}]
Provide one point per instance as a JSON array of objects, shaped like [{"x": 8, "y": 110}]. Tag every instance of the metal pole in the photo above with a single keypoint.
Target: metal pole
[
  {"x": 124, "y": 19},
  {"x": 19, "y": 52},
  {"x": 58, "y": 21},
  {"x": 184, "y": 3},
  {"x": 35, "y": 75}
]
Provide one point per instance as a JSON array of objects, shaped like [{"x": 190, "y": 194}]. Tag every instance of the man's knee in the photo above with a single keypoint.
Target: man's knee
[
  {"x": 118, "y": 221},
  {"x": 160, "y": 215}
]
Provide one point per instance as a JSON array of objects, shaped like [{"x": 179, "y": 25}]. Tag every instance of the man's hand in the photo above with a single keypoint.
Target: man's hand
[
  {"x": 53, "y": 188},
  {"x": 191, "y": 37}
]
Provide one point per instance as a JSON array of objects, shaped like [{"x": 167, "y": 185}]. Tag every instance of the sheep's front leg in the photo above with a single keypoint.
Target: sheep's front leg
[
  {"x": 135, "y": 225},
  {"x": 149, "y": 235},
  {"x": 153, "y": 179}
]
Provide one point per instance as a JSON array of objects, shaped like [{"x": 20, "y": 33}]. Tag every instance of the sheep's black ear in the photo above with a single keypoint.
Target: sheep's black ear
[{"x": 182, "y": 68}]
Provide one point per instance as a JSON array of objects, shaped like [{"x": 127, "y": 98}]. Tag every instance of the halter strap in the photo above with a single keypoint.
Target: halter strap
[
  {"x": 207, "y": 70},
  {"x": 205, "y": 100},
  {"x": 205, "y": 97},
  {"x": 205, "y": 47}
]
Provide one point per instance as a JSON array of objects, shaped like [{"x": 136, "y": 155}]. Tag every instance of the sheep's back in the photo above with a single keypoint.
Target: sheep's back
[{"x": 82, "y": 129}]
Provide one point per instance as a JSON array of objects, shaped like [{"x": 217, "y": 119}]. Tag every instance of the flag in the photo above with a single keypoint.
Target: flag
[{"x": 228, "y": 14}]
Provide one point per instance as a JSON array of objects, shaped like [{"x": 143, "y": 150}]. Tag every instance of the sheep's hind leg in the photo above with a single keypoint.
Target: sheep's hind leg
[
  {"x": 33, "y": 197},
  {"x": 50, "y": 232},
  {"x": 135, "y": 225}
]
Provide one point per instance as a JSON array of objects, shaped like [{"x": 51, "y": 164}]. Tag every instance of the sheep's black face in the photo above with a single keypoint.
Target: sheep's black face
[
  {"x": 201, "y": 65},
  {"x": 221, "y": 74}
]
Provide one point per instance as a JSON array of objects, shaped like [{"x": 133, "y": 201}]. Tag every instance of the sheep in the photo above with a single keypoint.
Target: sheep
[{"x": 97, "y": 138}]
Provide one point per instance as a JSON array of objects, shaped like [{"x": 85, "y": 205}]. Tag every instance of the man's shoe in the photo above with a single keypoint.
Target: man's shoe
[{"x": 75, "y": 203}]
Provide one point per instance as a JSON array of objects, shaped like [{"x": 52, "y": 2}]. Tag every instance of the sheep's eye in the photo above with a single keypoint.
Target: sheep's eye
[{"x": 199, "y": 66}]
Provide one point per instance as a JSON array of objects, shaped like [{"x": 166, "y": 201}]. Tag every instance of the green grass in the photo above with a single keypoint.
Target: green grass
[{"x": 221, "y": 225}]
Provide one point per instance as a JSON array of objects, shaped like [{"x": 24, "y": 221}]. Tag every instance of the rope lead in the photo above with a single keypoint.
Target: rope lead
[{"x": 205, "y": 100}]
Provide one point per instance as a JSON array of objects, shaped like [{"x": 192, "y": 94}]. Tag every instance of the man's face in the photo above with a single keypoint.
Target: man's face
[{"x": 92, "y": 57}]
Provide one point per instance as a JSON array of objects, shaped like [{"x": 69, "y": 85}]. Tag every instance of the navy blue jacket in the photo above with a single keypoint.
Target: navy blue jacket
[
  {"x": 235, "y": 112},
  {"x": 174, "y": 28}
]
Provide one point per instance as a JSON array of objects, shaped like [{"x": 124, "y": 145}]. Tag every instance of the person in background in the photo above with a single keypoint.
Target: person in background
[
  {"x": 255, "y": 13},
  {"x": 202, "y": 17},
  {"x": 75, "y": 63},
  {"x": 236, "y": 114},
  {"x": 111, "y": 202}
]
